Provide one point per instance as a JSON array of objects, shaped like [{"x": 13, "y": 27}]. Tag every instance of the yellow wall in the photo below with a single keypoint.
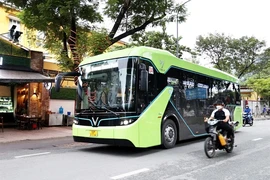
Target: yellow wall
[
  {"x": 253, "y": 96},
  {"x": 4, "y": 24},
  {"x": 4, "y": 20},
  {"x": 51, "y": 66}
]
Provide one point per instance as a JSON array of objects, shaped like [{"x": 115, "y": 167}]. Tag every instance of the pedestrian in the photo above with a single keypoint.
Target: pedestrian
[{"x": 264, "y": 110}]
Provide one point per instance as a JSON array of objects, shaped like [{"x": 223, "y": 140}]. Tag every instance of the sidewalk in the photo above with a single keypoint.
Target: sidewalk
[
  {"x": 260, "y": 118},
  {"x": 12, "y": 134}
]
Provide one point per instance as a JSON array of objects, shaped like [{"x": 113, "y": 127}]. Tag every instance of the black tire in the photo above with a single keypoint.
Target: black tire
[
  {"x": 168, "y": 134},
  {"x": 251, "y": 123},
  {"x": 230, "y": 146},
  {"x": 244, "y": 123},
  {"x": 209, "y": 145}
]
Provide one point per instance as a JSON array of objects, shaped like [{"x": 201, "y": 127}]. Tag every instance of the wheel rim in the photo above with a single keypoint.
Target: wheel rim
[
  {"x": 169, "y": 134},
  {"x": 210, "y": 148}
]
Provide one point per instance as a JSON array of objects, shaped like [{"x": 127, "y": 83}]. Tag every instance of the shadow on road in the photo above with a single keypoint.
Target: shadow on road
[
  {"x": 121, "y": 151},
  {"x": 132, "y": 151}
]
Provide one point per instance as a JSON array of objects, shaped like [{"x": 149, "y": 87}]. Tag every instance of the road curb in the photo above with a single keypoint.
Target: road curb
[
  {"x": 261, "y": 119},
  {"x": 20, "y": 140}
]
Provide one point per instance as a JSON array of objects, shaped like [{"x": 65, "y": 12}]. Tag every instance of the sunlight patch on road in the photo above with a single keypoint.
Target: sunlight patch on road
[
  {"x": 30, "y": 155},
  {"x": 257, "y": 139},
  {"x": 130, "y": 173}
]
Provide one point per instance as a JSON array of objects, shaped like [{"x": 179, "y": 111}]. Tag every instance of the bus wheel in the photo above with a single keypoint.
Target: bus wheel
[{"x": 169, "y": 134}]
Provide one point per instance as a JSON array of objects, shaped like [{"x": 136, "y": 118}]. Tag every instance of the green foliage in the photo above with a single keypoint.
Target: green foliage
[
  {"x": 263, "y": 66},
  {"x": 235, "y": 56},
  {"x": 261, "y": 86},
  {"x": 116, "y": 48},
  {"x": 59, "y": 20},
  {"x": 56, "y": 19},
  {"x": 98, "y": 41},
  {"x": 133, "y": 16},
  {"x": 65, "y": 93},
  {"x": 160, "y": 40}
]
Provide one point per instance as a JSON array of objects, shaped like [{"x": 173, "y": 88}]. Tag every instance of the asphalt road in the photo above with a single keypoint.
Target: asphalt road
[{"x": 62, "y": 159}]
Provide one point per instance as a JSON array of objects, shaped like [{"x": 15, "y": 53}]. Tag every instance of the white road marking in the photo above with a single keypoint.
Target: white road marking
[
  {"x": 130, "y": 173},
  {"x": 257, "y": 139},
  {"x": 29, "y": 155}
]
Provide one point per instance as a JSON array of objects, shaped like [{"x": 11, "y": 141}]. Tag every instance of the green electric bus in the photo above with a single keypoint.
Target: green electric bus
[{"x": 145, "y": 97}]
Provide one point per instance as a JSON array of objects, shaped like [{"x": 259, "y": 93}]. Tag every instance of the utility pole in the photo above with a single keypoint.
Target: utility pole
[{"x": 177, "y": 45}]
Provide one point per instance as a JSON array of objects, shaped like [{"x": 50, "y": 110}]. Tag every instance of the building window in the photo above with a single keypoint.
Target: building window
[{"x": 16, "y": 23}]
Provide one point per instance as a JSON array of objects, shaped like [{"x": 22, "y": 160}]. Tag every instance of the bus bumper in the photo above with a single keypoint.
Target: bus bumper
[{"x": 119, "y": 135}]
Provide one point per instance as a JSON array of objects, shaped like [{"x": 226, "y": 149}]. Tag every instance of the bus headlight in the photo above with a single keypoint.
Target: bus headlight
[
  {"x": 125, "y": 122},
  {"x": 75, "y": 121}
]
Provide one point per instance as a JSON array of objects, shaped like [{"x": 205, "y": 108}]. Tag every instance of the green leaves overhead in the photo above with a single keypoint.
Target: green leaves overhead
[
  {"x": 132, "y": 16},
  {"x": 55, "y": 15},
  {"x": 160, "y": 40},
  {"x": 66, "y": 23},
  {"x": 261, "y": 86},
  {"x": 236, "y": 56}
]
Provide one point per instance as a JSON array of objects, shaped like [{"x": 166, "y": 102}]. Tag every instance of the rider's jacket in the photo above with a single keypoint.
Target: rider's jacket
[{"x": 247, "y": 110}]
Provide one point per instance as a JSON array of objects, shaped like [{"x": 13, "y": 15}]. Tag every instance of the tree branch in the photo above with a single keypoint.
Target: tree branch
[
  {"x": 139, "y": 28},
  {"x": 246, "y": 68},
  {"x": 119, "y": 18}
]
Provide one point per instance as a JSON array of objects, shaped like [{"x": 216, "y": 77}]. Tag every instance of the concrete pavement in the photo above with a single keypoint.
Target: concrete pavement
[{"x": 12, "y": 134}]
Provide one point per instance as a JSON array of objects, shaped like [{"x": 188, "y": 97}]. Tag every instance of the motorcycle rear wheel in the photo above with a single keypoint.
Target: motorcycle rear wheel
[{"x": 209, "y": 147}]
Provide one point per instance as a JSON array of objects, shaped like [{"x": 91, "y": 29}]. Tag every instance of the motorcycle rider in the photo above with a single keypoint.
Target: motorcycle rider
[
  {"x": 221, "y": 113},
  {"x": 248, "y": 111}
]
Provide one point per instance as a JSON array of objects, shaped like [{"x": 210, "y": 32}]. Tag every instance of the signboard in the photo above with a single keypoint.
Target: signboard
[{"x": 196, "y": 93}]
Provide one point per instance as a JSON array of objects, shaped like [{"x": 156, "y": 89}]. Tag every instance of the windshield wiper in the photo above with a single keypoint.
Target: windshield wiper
[{"x": 103, "y": 107}]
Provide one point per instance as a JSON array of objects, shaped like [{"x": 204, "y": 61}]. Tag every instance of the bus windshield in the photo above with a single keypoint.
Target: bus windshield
[{"x": 108, "y": 84}]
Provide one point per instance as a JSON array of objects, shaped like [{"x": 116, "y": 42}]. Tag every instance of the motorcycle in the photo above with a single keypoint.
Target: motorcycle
[
  {"x": 247, "y": 119},
  {"x": 217, "y": 139}
]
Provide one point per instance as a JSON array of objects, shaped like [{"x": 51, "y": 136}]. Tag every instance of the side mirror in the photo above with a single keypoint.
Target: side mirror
[
  {"x": 143, "y": 81},
  {"x": 59, "y": 77}
]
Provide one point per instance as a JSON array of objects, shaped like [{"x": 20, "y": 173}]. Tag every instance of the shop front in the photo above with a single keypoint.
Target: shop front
[
  {"x": 24, "y": 90},
  {"x": 23, "y": 93}
]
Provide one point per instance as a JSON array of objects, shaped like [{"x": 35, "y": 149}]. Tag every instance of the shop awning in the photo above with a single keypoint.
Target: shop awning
[{"x": 8, "y": 76}]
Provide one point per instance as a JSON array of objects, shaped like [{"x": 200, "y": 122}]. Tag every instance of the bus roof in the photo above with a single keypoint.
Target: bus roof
[{"x": 163, "y": 61}]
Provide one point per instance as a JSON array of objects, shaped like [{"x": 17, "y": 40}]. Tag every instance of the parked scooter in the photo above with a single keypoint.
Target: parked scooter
[
  {"x": 217, "y": 139},
  {"x": 247, "y": 119}
]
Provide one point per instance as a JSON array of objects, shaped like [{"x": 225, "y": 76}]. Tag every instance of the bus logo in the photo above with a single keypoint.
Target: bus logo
[
  {"x": 161, "y": 63},
  {"x": 95, "y": 120}
]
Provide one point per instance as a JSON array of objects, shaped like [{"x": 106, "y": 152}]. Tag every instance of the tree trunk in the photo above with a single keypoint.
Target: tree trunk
[{"x": 72, "y": 40}]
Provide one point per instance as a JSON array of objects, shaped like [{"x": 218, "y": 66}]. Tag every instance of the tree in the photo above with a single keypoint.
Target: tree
[
  {"x": 61, "y": 21},
  {"x": 160, "y": 40},
  {"x": 244, "y": 54},
  {"x": 134, "y": 16},
  {"x": 66, "y": 21},
  {"x": 235, "y": 56},
  {"x": 263, "y": 66},
  {"x": 261, "y": 86}
]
